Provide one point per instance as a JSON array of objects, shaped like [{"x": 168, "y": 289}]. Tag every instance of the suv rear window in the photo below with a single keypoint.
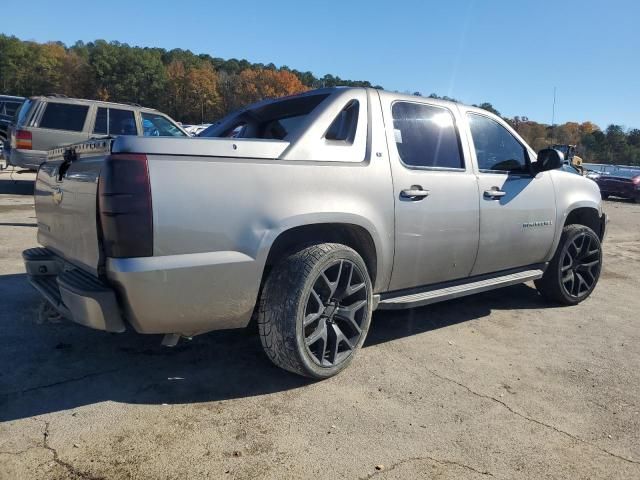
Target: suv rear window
[
  {"x": 22, "y": 113},
  {"x": 64, "y": 116}
]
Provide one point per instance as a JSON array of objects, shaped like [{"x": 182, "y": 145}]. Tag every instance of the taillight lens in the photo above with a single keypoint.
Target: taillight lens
[
  {"x": 636, "y": 180},
  {"x": 124, "y": 204},
  {"x": 23, "y": 140}
]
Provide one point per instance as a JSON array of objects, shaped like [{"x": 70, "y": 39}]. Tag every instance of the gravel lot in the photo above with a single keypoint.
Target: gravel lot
[{"x": 498, "y": 385}]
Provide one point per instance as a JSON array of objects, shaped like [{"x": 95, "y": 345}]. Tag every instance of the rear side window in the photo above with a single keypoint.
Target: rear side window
[
  {"x": 63, "y": 116},
  {"x": 496, "y": 149},
  {"x": 113, "y": 121},
  {"x": 343, "y": 128},
  {"x": 426, "y": 136}
]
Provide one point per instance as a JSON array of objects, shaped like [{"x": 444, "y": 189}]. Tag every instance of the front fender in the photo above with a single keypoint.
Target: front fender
[{"x": 572, "y": 192}]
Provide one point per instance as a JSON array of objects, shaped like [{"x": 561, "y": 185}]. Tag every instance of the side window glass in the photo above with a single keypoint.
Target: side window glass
[
  {"x": 343, "y": 128},
  {"x": 119, "y": 122},
  {"x": 11, "y": 108},
  {"x": 101, "y": 121},
  {"x": 496, "y": 149},
  {"x": 156, "y": 125},
  {"x": 64, "y": 116},
  {"x": 122, "y": 122},
  {"x": 426, "y": 136}
]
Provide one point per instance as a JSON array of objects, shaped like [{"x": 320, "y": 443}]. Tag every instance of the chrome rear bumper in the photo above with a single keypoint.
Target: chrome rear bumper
[{"x": 74, "y": 293}]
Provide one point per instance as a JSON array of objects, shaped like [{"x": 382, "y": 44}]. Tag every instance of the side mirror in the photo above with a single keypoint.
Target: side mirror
[{"x": 549, "y": 159}]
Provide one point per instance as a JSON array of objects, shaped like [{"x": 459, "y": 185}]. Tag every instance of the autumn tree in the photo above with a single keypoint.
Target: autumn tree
[
  {"x": 258, "y": 84},
  {"x": 202, "y": 97},
  {"x": 176, "y": 89}
]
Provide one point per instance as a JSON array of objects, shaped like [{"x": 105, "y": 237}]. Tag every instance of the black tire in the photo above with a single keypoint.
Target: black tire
[
  {"x": 604, "y": 196},
  {"x": 311, "y": 316},
  {"x": 575, "y": 268}
]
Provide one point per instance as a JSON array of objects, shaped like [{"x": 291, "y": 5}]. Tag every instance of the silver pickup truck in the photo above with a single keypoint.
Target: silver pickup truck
[{"x": 305, "y": 214}]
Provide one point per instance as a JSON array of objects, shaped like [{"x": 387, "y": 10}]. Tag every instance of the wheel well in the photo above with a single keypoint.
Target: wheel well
[
  {"x": 353, "y": 236},
  {"x": 585, "y": 216}
]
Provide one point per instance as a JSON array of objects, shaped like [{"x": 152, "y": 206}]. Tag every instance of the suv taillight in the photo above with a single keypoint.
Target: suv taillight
[
  {"x": 636, "y": 180},
  {"x": 124, "y": 205},
  {"x": 23, "y": 140}
]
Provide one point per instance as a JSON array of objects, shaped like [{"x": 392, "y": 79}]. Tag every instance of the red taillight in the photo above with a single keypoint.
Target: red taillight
[
  {"x": 23, "y": 140},
  {"x": 124, "y": 204}
]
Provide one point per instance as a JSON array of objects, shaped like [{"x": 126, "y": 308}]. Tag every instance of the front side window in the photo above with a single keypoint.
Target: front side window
[
  {"x": 113, "y": 121},
  {"x": 426, "y": 136},
  {"x": 496, "y": 148},
  {"x": 156, "y": 125},
  {"x": 64, "y": 116}
]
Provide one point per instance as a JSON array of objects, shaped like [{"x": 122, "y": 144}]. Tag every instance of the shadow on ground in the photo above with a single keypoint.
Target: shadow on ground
[{"x": 54, "y": 367}]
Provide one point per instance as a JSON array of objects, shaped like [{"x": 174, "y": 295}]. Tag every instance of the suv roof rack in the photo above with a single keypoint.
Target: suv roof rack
[
  {"x": 56, "y": 95},
  {"x": 133, "y": 104}
]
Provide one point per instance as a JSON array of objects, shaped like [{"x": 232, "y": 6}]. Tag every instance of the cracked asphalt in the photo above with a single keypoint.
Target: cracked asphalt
[{"x": 498, "y": 385}]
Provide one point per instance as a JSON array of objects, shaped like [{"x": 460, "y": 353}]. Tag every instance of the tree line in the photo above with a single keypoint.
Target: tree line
[
  {"x": 199, "y": 88},
  {"x": 191, "y": 88}
]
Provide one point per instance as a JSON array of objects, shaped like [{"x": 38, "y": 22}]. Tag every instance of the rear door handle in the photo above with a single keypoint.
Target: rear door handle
[
  {"x": 416, "y": 192},
  {"x": 495, "y": 192}
]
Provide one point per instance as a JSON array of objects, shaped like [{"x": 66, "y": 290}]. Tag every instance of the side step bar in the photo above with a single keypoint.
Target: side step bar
[{"x": 427, "y": 297}]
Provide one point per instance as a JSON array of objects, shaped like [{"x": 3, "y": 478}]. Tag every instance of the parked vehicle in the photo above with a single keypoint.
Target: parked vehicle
[
  {"x": 50, "y": 121},
  {"x": 624, "y": 183},
  {"x": 307, "y": 213},
  {"x": 195, "y": 130},
  {"x": 9, "y": 105},
  {"x": 567, "y": 167}
]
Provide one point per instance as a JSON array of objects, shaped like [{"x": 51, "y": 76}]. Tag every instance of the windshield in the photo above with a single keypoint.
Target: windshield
[{"x": 274, "y": 120}]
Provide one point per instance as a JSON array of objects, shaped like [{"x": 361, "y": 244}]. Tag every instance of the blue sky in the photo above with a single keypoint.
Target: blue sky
[{"x": 509, "y": 53}]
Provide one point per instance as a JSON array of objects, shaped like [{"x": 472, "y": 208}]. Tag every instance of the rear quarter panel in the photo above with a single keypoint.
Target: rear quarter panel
[{"x": 216, "y": 218}]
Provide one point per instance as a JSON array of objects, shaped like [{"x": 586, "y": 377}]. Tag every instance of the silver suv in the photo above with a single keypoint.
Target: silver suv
[
  {"x": 51, "y": 121},
  {"x": 306, "y": 214}
]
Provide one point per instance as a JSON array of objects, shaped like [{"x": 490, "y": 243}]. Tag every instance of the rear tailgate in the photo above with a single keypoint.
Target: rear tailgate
[{"x": 66, "y": 194}]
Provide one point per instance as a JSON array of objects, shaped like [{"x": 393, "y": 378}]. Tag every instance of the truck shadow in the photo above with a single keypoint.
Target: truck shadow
[
  {"x": 55, "y": 367},
  {"x": 16, "y": 187}
]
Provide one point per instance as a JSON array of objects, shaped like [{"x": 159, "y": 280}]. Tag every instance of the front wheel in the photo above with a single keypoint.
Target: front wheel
[
  {"x": 315, "y": 310},
  {"x": 574, "y": 269}
]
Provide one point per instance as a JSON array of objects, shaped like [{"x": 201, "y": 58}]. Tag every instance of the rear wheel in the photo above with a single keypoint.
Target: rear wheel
[
  {"x": 315, "y": 310},
  {"x": 575, "y": 268}
]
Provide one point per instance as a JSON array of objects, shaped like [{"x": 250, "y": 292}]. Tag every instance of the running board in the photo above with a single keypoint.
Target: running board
[{"x": 447, "y": 293}]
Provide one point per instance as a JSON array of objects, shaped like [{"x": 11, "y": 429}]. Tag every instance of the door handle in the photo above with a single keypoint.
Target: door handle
[
  {"x": 416, "y": 192},
  {"x": 495, "y": 192}
]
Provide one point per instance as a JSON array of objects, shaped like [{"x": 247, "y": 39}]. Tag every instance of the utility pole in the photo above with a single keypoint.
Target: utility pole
[{"x": 553, "y": 117}]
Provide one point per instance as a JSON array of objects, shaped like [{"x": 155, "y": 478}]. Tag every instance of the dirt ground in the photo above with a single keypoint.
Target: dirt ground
[{"x": 497, "y": 385}]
